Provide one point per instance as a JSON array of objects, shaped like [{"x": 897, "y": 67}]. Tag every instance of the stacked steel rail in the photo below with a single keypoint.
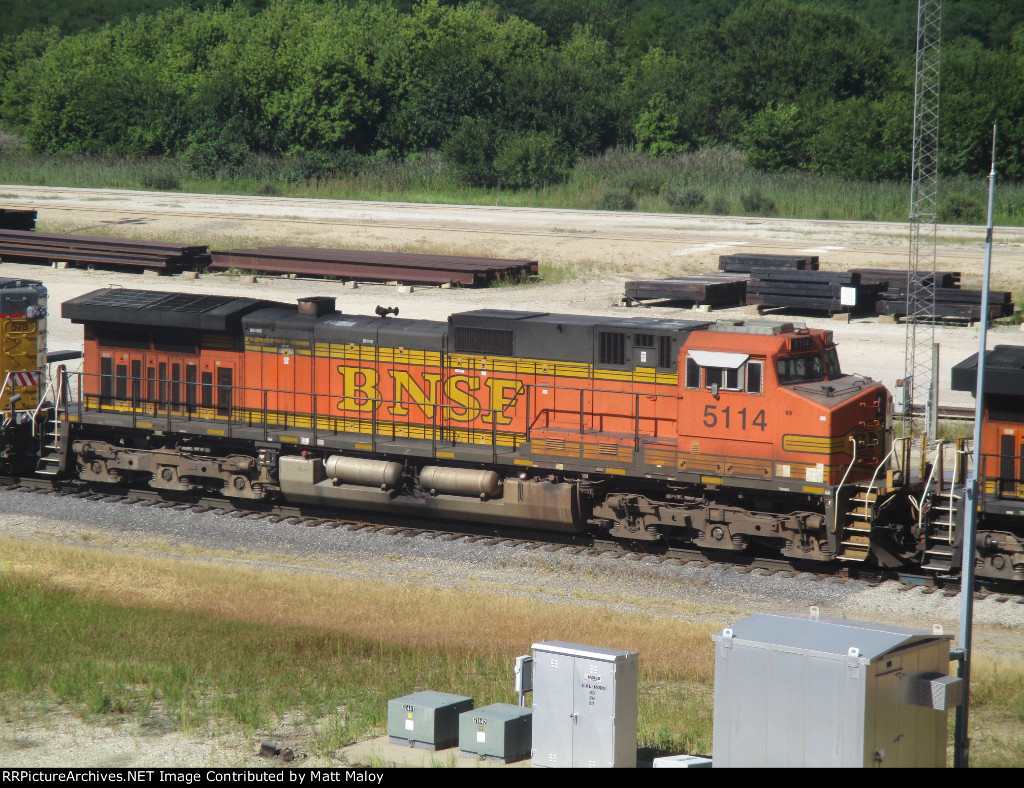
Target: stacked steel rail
[
  {"x": 17, "y": 219},
  {"x": 835, "y": 292},
  {"x": 34, "y": 247},
  {"x": 716, "y": 290},
  {"x": 359, "y": 265}
]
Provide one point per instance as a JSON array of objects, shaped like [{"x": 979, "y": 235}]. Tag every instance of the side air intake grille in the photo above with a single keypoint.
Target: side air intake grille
[
  {"x": 611, "y": 348},
  {"x": 489, "y": 341}
]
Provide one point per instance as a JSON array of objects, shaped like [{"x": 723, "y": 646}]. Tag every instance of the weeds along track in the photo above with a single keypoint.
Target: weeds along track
[{"x": 490, "y": 536}]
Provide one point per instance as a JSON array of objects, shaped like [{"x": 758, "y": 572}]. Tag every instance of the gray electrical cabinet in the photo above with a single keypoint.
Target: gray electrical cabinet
[
  {"x": 500, "y": 732},
  {"x": 584, "y": 706},
  {"x": 800, "y": 691},
  {"x": 429, "y": 719}
]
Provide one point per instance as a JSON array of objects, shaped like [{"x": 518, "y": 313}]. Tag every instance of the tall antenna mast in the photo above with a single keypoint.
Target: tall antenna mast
[{"x": 924, "y": 190}]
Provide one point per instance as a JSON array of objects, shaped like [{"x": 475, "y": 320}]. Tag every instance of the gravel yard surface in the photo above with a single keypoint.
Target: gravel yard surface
[{"x": 644, "y": 585}]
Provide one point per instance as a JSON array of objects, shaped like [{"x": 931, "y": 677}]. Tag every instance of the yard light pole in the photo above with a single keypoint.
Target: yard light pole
[{"x": 961, "y": 740}]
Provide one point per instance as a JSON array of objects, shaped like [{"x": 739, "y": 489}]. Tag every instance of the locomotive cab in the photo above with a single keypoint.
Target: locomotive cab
[{"x": 770, "y": 400}]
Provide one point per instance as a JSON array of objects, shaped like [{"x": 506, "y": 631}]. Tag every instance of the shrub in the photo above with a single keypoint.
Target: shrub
[
  {"x": 161, "y": 176},
  {"x": 757, "y": 204},
  {"x": 212, "y": 157},
  {"x": 961, "y": 208},
  {"x": 719, "y": 205},
  {"x": 313, "y": 165},
  {"x": 617, "y": 200},
  {"x": 682, "y": 199},
  {"x": 530, "y": 159},
  {"x": 471, "y": 149}
]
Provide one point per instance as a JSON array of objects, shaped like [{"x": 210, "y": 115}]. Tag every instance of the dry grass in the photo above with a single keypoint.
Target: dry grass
[
  {"x": 412, "y": 615},
  {"x": 385, "y": 637}
]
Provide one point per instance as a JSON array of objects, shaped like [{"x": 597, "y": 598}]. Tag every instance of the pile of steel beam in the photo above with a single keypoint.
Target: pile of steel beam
[
  {"x": 833, "y": 292},
  {"x": 744, "y": 263},
  {"x": 953, "y": 303},
  {"x": 894, "y": 280},
  {"x": 32, "y": 247},
  {"x": 17, "y": 219},
  {"x": 717, "y": 290},
  {"x": 363, "y": 266}
]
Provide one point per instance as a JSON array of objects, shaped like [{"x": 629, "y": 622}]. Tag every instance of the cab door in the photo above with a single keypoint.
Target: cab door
[{"x": 1011, "y": 462}]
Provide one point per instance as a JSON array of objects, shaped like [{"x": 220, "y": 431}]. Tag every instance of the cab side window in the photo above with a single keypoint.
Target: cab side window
[{"x": 755, "y": 376}]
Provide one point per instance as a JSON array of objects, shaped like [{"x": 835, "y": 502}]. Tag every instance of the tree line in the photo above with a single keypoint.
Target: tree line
[{"x": 515, "y": 92}]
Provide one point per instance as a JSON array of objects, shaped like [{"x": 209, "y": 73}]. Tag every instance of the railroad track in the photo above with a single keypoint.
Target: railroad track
[{"x": 487, "y": 536}]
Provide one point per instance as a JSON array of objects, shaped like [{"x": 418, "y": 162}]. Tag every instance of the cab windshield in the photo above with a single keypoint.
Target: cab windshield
[{"x": 800, "y": 369}]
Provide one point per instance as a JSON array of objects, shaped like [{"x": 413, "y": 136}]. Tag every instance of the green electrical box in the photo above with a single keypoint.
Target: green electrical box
[
  {"x": 500, "y": 732},
  {"x": 429, "y": 720}
]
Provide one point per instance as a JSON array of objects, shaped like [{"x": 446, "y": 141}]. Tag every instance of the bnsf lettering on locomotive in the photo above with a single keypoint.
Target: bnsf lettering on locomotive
[
  {"x": 360, "y": 388},
  {"x": 409, "y": 392},
  {"x": 463, "y": 396}
]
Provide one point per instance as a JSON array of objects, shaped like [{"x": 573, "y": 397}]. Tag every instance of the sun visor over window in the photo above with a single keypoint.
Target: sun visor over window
[{"x": 707, "y": 358}]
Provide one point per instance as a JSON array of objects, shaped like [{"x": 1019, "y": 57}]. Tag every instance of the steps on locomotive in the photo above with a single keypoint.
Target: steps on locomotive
[
  {"x": 855, "y": 541},
  {"x": 940, "y": 550},
  {"x": 52, "y": 457}
]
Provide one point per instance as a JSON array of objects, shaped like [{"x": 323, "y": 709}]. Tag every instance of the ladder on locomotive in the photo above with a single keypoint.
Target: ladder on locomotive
[
  {"x": 53, "y": 432},
  {"x": 939, "y": 520},
  {"x": 865, "y": 501}
]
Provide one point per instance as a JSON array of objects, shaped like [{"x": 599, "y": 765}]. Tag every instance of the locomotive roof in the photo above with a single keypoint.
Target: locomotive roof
[
  {"x": 1004, "y": 372},
  {"x": 17, "y": 295},
  {"x": 154, "y": 309},
  {"x": 499, "y": 318},
  {"x": 284, "y": 322},
  {"x": 549, "y": 335}
]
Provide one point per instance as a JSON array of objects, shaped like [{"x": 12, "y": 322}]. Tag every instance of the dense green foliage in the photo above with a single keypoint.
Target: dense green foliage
[{"x": 510, "y": 93}]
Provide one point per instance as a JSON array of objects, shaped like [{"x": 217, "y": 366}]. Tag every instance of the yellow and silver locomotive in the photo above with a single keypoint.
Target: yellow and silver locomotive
[{"x": 22, "y": 363}]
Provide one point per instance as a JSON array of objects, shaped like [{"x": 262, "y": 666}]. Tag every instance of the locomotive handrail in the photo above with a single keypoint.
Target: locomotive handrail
[
  {"x": 924, "y": 491},
  {"x": 3, "y": 388},
  {"x": 839, "y": 489},
  {"x": 58, "y": 397},
  {"x": 952, "y": 490},
  {"x": 885, "y": 459}
]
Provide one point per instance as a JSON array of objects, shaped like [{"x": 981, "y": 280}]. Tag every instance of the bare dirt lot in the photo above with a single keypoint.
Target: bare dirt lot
[{"x": 597, "y": 251}]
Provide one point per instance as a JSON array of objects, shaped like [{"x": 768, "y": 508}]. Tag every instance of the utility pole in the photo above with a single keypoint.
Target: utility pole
[{"x": 924, "y": 190}]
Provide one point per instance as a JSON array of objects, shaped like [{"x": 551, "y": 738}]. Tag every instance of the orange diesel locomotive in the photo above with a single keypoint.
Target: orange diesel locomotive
[{"x": 728, "y": 435}]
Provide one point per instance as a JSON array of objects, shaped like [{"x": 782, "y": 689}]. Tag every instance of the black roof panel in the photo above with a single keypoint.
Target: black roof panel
[
  {"x": 153, "y": 309},
  {"x": 1004, "y": 372}
]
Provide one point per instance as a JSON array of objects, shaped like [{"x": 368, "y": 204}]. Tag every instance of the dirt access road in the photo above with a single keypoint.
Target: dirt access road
[{"x": 597, "y": 253}]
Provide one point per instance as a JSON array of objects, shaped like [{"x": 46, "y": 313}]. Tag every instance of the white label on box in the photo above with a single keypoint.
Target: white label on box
[
  {"x": 481, "y": 737},
  {"x": 408, "y": 725}
]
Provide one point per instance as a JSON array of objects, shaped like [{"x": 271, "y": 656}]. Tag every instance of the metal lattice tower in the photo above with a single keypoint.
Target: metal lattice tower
[{"x": 923, "y": 207}]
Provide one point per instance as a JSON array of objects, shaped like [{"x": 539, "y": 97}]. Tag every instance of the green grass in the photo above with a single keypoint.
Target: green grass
[
  {"x": 728, "y": 186},
  {"x": 196, "y": 646},
  {"x": 172, "y": 663}
]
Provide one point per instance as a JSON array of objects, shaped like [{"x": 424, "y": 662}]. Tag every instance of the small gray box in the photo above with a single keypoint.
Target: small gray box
[
  {"x": 429, "y": 720},
  {"x": 940, "y": 692},
  {"x": 500, "y": 732}
]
